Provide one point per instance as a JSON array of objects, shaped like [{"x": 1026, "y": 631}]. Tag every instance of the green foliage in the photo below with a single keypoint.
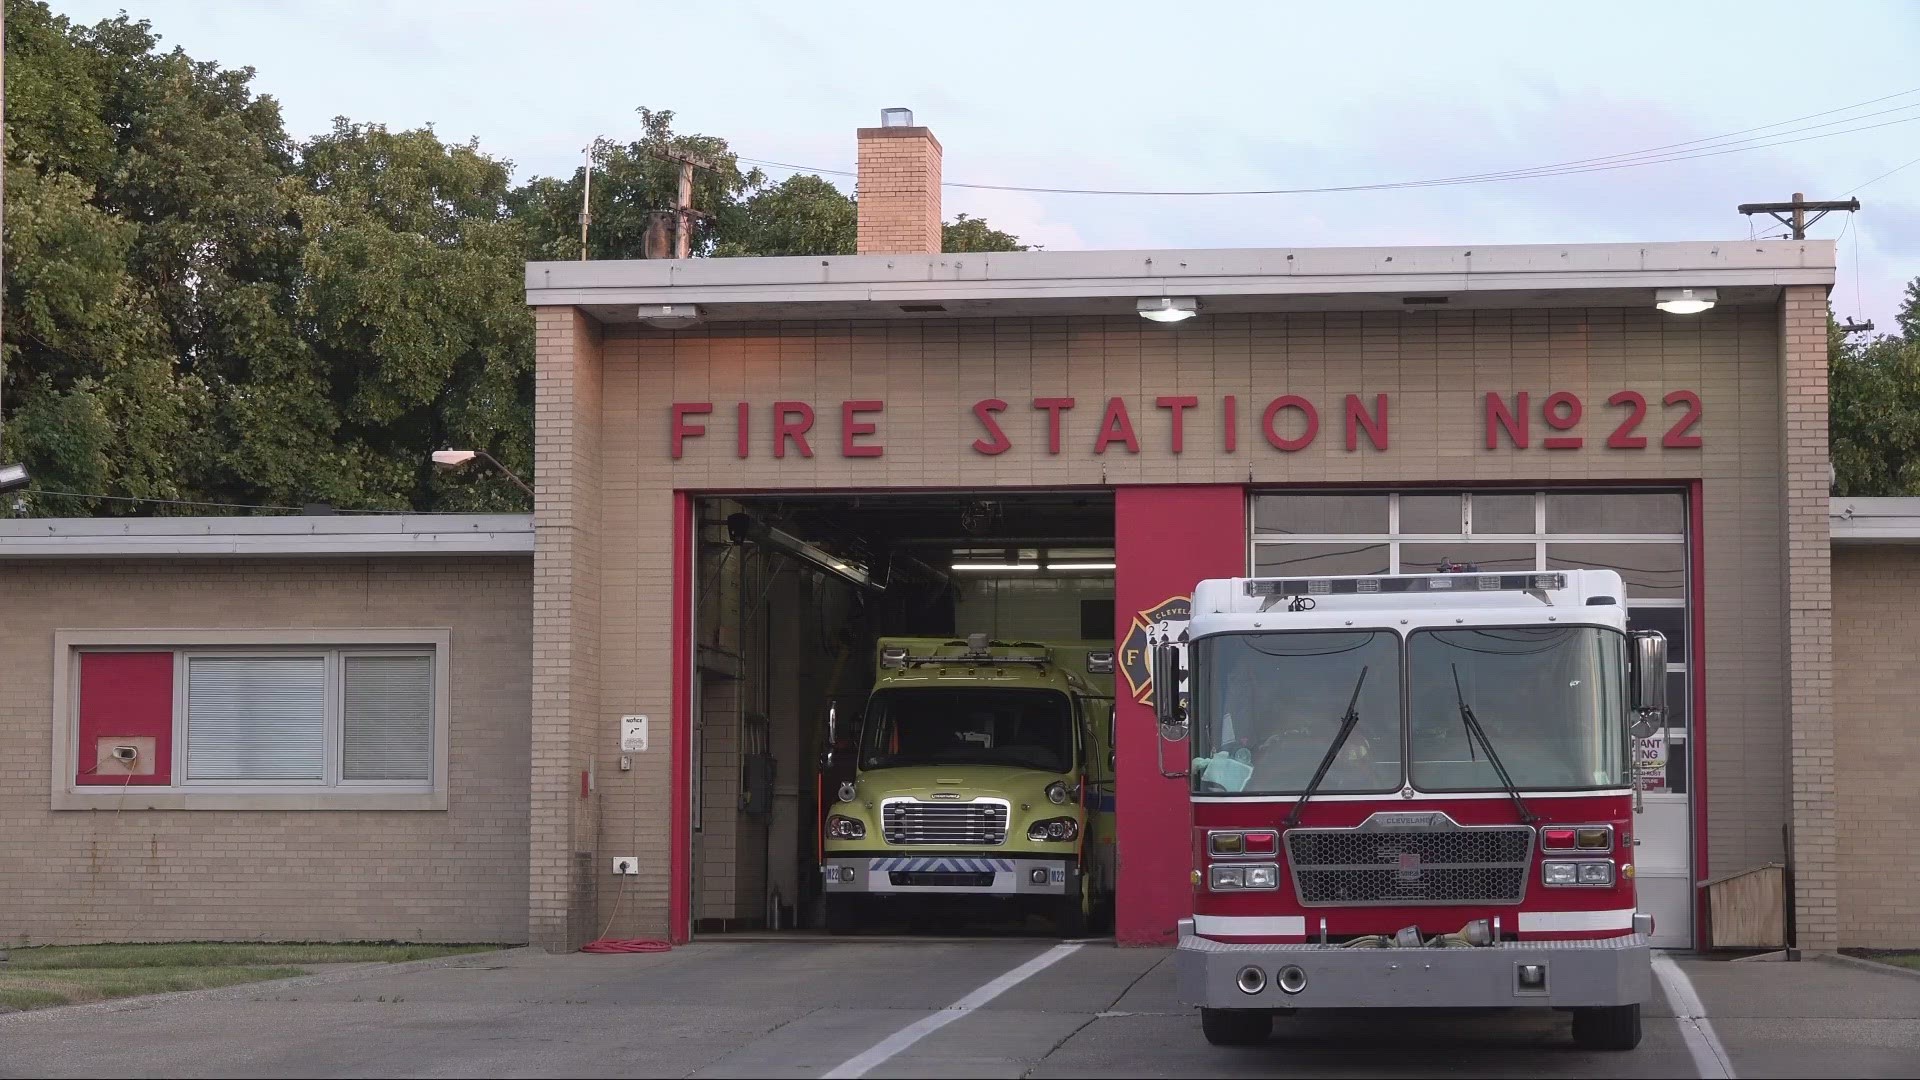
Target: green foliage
[
  {"x": 974, "y": 234},
  {"x": 200, "y": 308},
  {"x": 1874, "y": 407}
]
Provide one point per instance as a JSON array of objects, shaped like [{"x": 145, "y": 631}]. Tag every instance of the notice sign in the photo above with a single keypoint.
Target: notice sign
[{"x": 1650, "y": 761}]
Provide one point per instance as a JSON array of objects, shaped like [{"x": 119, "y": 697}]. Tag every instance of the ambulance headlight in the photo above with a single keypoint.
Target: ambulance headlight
[{"x": 1057, "y": 793}]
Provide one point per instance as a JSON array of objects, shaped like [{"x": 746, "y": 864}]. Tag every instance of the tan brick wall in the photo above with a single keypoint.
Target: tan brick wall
[
  {"x": 453, "y": 875},
  {"x": 1806, "y": 545},
  {"x": 899, "y": 192},
  {"x": 567, "y": 629},
  {"x": 1876, "y": 617},
  {"x": 1437, "y": 367}
]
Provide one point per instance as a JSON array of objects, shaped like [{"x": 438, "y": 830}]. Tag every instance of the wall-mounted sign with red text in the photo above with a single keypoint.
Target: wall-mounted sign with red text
[{"x": 1287, "y": 424}]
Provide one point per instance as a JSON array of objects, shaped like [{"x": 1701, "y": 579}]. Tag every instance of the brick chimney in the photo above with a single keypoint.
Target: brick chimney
[{"x": 898, "y": 187}]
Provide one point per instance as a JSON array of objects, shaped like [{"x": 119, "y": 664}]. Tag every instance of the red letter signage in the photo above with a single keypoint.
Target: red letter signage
[
  {"x": 851, "y": 428},
  {"x": 1054, "y": 406},
  {"x": 796, "y": 429},
  {"x": 1375, "y": 425},
  {"x": 683, "y": 430},
  {"x": 1291, "y": 401},
  {"x": 1116, "y": 426},
  {"x": 1514, "y": 422},
  {"x": 984, "y": 411},
  {"x": 1178, "y": 406}
]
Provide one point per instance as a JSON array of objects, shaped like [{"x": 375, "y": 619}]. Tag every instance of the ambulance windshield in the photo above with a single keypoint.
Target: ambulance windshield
[{"x": 1024, "y": 728}]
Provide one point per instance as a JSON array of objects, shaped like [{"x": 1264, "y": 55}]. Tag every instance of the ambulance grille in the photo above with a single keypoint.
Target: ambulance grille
[
  {"x": 1443, "y": 866},
  {"x": 908, "y": 822}
]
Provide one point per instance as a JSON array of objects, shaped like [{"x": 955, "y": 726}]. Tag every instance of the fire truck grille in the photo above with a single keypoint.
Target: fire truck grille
[
  {"x": 976, "y": 824},
  {"x": 1451, "y": 866}
]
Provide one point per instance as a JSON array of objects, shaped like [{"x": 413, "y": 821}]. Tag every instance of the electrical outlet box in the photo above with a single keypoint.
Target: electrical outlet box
[
  {"x": 626, "y": 864},
  {"x": 633, "y": 734}
]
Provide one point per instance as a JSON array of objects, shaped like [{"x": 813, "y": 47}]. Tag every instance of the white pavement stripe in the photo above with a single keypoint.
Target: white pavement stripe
[
  {"x": 879, "y": 1052},
  {"x": 1709, "y": 1056}
]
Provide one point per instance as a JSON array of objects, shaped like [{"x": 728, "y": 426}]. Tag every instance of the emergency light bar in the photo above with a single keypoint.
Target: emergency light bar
[{"x": 1405, "y": 583}]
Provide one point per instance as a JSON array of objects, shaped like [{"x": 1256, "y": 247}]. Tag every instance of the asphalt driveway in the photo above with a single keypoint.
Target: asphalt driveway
[{"x": 807, "y": 1008}]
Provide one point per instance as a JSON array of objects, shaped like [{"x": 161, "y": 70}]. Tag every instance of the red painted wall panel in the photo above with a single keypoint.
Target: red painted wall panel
[
  {"x": 125, "y": 696},
  {"x": 1166, "y": 539}
]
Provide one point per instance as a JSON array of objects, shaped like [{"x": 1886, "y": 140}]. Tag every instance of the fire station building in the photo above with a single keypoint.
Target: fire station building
[{"x": 451, "y": 727}]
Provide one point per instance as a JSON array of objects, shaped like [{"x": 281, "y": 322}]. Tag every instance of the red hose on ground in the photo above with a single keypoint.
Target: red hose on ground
[{"x": 626, "y": 945}]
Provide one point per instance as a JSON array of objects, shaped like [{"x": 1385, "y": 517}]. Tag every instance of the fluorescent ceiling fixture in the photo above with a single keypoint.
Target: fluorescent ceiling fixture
[
  {"x": 1080, "y": 566},
  {"x": 1684, "y": 301},
  {"x": 1168, "y": 308},
  {"x": 995, "y": 566},
  {"x": 12, "y": 476},
  {"x": 670, "y": 316}
]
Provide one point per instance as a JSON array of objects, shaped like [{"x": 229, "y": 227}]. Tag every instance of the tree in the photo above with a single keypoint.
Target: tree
[
  {"x": 974, "y": 234},
  {"x": 1873, "y": 397},
  {"x": 200, "y": 309}
]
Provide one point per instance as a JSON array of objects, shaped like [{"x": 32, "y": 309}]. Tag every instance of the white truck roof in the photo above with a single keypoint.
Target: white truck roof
[{"x": 1406, "y": 600}]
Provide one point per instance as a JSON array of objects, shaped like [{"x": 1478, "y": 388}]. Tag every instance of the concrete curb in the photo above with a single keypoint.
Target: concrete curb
[
  {"x": 251, "y": 989},
  {"x": 1870, "y": 965}
]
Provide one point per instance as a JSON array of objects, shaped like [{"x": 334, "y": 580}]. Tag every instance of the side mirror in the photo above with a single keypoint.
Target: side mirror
[
  {"x": 1167, "y": 707},
  {"x": 1649, "y": 683},
  {"x": 833, "y": 735}
]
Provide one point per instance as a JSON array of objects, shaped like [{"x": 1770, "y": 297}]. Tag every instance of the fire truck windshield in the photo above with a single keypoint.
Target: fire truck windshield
[
  {"x": 1027, "y": 729},
  {"x": 1551, "y": 700},
  {"x": 1269, "y": 705}
]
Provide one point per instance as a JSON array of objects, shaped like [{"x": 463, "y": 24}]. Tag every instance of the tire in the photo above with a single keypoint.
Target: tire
[
  {"x": 1236, "y": 1027},
  {"x": 844, "y": 914},
  {"x": 1608, "y": 1027}
]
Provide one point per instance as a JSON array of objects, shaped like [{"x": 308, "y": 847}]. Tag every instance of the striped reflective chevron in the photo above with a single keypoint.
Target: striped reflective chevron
[{"x": 951, "y": 864}]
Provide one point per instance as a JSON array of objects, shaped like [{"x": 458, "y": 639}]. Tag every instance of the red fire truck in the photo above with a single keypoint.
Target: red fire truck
[{"x": 1411, "y": 791}]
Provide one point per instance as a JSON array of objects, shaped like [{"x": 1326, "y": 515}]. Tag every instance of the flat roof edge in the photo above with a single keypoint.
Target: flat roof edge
[{"x": 268, "y": 537}]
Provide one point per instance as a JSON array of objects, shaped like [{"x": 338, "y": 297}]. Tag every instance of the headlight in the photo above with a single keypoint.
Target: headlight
[
  {"x": 1057, "y": 793},
  {"x": 1559, "y": 873},
  {"x": 1060, "y": 828},
  {"x": 841, "y": 827},
  {"x": 1251, "y": 876},
  {"x": 1596, "y": 873},
  {"x": 848, "y": 790}
]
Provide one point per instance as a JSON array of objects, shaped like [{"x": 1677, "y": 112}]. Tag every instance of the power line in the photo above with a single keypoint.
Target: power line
[
  {"x": 1882, "y": 176},
  {"x": 1712, "y": 146}
]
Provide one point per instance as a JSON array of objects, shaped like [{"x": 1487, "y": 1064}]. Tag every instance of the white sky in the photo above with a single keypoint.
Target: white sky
[{"x": 1138, "y": 95}]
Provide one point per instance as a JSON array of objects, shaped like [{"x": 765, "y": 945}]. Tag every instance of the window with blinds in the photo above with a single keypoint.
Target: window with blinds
[
  {"x": 386, "y": 718},
  {"x": 334, "y": 717}
]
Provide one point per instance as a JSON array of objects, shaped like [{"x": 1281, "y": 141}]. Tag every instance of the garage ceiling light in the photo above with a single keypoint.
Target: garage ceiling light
[
  {"x": 1684, "y": 301},
  {"x": 1080, "y": 566},
  {"x": 670, "y": 316},
  {"x": 1168, "y": 308},
  {"x": 995, "y": 566}
]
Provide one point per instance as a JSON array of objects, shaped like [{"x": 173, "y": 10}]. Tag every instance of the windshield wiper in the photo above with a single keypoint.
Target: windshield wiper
[
  {"x": 1347, "y": 722},
  {"x": 1474, "y": 730}
]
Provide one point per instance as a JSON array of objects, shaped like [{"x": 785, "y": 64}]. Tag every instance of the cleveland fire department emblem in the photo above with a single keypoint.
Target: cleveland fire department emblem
[{"x": 1163, "y": 622}]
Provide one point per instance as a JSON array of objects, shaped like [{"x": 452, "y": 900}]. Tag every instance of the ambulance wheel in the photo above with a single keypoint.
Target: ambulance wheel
[
  {"x": 1236, "y": 1027},
  {"x": 844, "y": 913},
  {"x": 1607, "y": 1027}
]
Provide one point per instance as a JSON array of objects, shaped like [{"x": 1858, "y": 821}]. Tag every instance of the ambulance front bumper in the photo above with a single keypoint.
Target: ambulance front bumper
[
  {"x": 919, "y": 875},
  {"x": 1605, "y": 971}
]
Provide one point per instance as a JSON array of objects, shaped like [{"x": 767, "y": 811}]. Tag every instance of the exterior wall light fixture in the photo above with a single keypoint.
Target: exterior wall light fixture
[
  {"x": 1168, "y": 308},
  {"x": 1684, "y": 301}
]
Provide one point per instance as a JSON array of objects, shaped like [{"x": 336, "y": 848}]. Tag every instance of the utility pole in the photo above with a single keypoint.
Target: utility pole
[
  {"x": 1851, "y": 327},
  {"x": 1794, "y": 214},
  {"x": 683, "y": 211},
  {"x": 586, "y": 198}
]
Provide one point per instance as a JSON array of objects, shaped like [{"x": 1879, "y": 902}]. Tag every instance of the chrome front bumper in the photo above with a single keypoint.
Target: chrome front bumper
[
  {"x": 1603, "y": 971},
  {"x": 921, "y": 875}
]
